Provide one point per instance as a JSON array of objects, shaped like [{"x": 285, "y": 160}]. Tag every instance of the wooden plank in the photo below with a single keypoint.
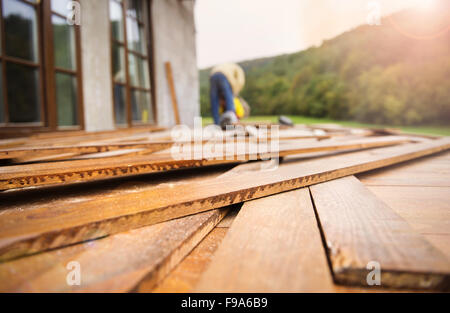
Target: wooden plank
[
  {"x": 63, "y": 172},
  {"x": 67, "y": 138},
  {"x": 82, "y": 149},
  {"x": 274, "y": 245},
  {"x": 30, "y": 151},
  {"x": 431, "y": 171},
  {"x": 359, "y": 229},
  {"x": 186, "y": 275},
  {"x": 53, "y": 224},
  {"x": 113, "y": 264},
  {"x": 426, "y": 209},
  {"x": 173, "y": 94}
]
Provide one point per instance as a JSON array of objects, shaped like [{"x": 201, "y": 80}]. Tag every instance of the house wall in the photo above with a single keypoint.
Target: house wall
[
  {"x": 96, "y": 59},
  {"x": 173, "y": 40}
]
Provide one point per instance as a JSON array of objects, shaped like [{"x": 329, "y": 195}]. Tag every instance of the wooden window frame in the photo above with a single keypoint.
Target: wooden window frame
[
  {"x": 148, "y": 30},
  {"x": 47, "y": 72}
]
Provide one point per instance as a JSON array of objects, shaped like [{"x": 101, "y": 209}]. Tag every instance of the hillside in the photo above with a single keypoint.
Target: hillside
[{"x": 397, "y": 73}]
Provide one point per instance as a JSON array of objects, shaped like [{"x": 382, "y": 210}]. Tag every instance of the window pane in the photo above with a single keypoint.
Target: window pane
[
  {"x": 64, "y": 41},
  {"x": 119, "y": 104},
  {"x": 66, "y": 99},
  {"x": 62, "y": 7},
  {"x": 136, "y": 37},
  {"x": 141, "y": 107},
  {"x": 119, "y": 74},
  {"x": 24, "y": 107},
  {"x": 138, "y": 71},
  {"x": 2, "y": 103},
  {"x": 21, "y": 30},
  {"x": 116, "y": 17},
  {"x": 134, "y": 9}
]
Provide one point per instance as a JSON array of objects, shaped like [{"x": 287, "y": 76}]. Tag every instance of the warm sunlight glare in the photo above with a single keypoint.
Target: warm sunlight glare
[{"x": 425, "y": 4}]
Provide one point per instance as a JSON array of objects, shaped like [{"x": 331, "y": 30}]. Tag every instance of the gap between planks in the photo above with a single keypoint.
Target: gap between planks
[
  {"x": 359, "y": 229},
  {"x": 114, "y": 264}
]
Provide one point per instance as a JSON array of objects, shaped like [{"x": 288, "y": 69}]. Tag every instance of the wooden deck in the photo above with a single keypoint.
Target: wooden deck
[
  {"x": 418, "y": 191},
  {"x": 139, "y": 220}
]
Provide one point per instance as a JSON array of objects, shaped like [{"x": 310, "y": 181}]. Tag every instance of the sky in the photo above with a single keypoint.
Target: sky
[{"x": 237, "y": 30}]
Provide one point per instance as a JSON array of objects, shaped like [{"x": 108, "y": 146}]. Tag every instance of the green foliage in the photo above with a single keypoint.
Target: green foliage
[{"x": 372, "y": 74}]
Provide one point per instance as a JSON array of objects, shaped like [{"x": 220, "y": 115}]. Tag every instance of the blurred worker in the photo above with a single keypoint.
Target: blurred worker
[{"x": 226, "y": 82}]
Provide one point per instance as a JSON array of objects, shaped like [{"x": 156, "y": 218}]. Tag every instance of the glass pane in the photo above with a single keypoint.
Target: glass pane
[
  {"x": 21, "y": 30},
  {"x": 136, "y": 37},
  {"x": 138, "y": 71},
  {"x": 119, "y": 104},
  {"x": 23, "y": 93},
  {"x": 134, "y": 9},
  {"x": 116, "y": 17},
  {"x": 61, "y": 6},
  {"x": 141, "y": 106},
  {"x": 2, "y": 103},
  {"x": 66, "y": 99},
  {"x": 64, "y": 39},
  {"x": 119, "y": 63}
]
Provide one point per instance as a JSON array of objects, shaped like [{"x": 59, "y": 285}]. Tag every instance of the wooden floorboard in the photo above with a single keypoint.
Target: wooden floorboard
[
  {"x": 186, "y": 275},
  {"x": 418, "y": 191},
  {"x": 274, "y": 245},
  {"x": 35, "y": 228},
  {"x": 428, "y": 172},
  {"x": 359, "y": 228},
  {"x": 113, "y": 264},
  {"x": 63, "y": 172},
  {"x": 426, "y": 209}
]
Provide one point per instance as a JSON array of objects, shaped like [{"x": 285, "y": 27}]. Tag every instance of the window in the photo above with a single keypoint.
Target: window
[
  {"x": 66, "y": 78},
  {"x": 21, "y": 63},
  {"x": 40, "y": 71},
  {"x": 132, "y": 92}
]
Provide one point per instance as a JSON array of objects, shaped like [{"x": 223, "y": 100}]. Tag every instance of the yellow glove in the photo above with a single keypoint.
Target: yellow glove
[{"x": 238, "y": 108}]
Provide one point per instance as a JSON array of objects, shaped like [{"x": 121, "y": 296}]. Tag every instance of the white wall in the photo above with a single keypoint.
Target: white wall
[
  {"x": 174, "y": 41},
  {"x": 96, "y": 59}
]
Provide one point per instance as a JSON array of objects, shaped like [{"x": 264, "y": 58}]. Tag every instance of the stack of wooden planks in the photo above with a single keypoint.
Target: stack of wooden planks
[{"x": 339, "y": 213}]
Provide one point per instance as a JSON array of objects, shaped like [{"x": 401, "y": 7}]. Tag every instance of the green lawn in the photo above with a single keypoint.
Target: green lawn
[{"x": 426, "y": 130}]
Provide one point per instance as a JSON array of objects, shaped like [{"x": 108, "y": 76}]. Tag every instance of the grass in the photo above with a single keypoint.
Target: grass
[{"x": 425, "y": 130}]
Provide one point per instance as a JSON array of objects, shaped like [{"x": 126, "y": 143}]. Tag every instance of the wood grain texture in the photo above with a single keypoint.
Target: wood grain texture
[
  {"x": 186, "y": 275},
  {"x": 82, "y": 149},
  {"x": 173, "y": 94},
  {"x": 55, "y": 224},
  {"x": 359, "y": 228},
  {"x": 63, "y": 172},
  {"x": 432, "y": 171},
  {"x": 418, "y": 191},
  {"x": 77, "y": 137},
  {"x": 274, "y": 245},
  {"x": 113, "y": 264},
  {"x": 426, "y": 209}
]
